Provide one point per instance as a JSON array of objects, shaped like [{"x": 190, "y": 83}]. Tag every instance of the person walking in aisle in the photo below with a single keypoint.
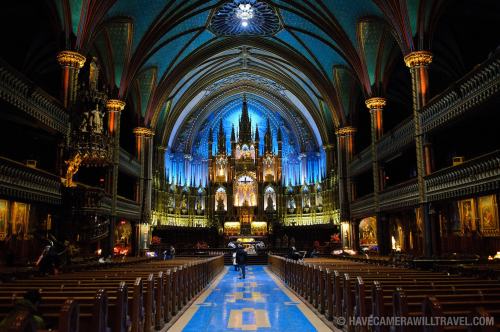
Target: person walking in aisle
[
  {"x": 241, "y": 259},
  {"x": 235, "y": 264}
]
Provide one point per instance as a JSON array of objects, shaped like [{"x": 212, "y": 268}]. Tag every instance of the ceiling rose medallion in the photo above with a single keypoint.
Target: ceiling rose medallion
[{"x": 245, "y": 18}]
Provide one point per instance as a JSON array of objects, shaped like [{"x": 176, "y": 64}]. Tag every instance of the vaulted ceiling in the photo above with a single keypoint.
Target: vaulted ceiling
[{"x": 306, "y": 59}]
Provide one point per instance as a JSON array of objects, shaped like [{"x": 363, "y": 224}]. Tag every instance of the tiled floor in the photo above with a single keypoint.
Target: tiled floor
[{"x": 258, "y": 303}]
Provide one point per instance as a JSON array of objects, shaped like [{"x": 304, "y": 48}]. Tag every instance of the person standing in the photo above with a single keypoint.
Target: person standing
[
  {"x": 172, "y": 252},
  {"x": 235, "y": 264},
  {"x": 241, "y": 259}
]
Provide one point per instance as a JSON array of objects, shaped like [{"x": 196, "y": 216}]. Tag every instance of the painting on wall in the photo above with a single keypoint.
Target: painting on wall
[
  {"x": 20, "y": 218},
  {"x": 368, "y": 232},
  {"x": 4, "y": 218},
  {"x": 346, "y": 236},
  {"x": 488, "y": 216},
  {"x": 467, "y": 212}
]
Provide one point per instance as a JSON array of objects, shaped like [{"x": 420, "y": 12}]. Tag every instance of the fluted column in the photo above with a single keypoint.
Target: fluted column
[
  {"x": 71, "y": 63},
  {"x": 345, "y": 147},
  {"x": 419, "y": 62},
  {"x": 114, "y": 107}
]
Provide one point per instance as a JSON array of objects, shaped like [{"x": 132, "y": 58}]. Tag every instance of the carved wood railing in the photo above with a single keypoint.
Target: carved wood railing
[
  {"x": 363, "y": 206},
  {"x": 24, "y": 95},
  {"x": 478, "y": 175},
  {"x": 399, "y": 196},
  {"x": 19, "y": 181},
  {"x": 478, "y": 86},
  {"x": 473, "y": 177},
  {"x": 475, "y": 88}
]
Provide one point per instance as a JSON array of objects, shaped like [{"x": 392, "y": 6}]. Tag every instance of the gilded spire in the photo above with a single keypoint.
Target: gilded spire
[
  {"x": 221, "y": 139},
  {"x": 245, "y": 128},
  {"x": 268, "y": 139}
]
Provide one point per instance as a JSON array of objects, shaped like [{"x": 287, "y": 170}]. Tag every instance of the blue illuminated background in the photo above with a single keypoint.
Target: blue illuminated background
[{"x": 298, "y": 167}]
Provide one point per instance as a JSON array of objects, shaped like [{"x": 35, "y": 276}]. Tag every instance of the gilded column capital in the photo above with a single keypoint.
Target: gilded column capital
[
  {"x": 346, "y": 131},
  {"x": 71, "y": 59},
  {"x": 143, "y": 131},
  {"x": 376, "y": 103},
  {"x": 115, "y": 105},
  {"x": 418, "y": 58}
]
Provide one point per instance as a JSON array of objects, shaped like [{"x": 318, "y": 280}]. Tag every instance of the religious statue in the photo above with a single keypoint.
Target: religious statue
[
  {"x": 85, "y": 122},
  {"x": 291, "y": 203},
  {"x": 73, "y": 166},
  {"x": 170, "y": 202},
  {"x": 184, "y": 202},
  {"x": 307, "y": 201},
  {"x": 96, "y": 120},
  {"x": 220, "y": 204},
  {"x": 270, "y": 203}
]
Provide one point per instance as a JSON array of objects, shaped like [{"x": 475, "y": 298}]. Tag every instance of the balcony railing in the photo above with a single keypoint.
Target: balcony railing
[
  {"x": 473, "y": 177},
  {"x": 481, "y": 174},
  {"x": 30, "y": 184},
  {"x": 478, "y": 86},
  {"x": 23, "y": 94},
  {"x": 363, "y": 206},
  {"x": 399, "y": 196}
]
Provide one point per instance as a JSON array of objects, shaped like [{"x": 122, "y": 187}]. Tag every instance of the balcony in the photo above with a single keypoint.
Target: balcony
[
  {"x": 363, "y": 206},
  {"x": 474, "y": 177},
  {"x": 475, "y": 88},
  {"x": 23, "y": 94},
  {"x": 19, "y": 181},
  {"x": 399, "y": 196},
  {"x": 478, "y": 175}
]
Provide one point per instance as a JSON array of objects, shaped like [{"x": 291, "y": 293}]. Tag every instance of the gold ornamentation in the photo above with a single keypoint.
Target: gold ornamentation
[
  {"x": 348, "y": 130},
  {"x": 143, "y": 131},
  {"x": 418, "y": 58},
  {"x": 71, "y": 59},
  {"x": 73, "y": 166},
  {"x": 115, "y": 105},
  {"x": 376, "y": 103}
]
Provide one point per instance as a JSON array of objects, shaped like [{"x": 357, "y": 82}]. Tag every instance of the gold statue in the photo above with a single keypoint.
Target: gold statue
[{"x": 73, "y": 165}]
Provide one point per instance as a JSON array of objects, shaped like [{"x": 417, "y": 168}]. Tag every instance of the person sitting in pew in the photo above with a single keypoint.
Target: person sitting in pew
[{"x": 29, "y": 303}]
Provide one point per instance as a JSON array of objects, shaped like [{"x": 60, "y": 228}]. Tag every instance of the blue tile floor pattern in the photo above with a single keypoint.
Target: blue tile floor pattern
[{"x": 256, "y": 303}]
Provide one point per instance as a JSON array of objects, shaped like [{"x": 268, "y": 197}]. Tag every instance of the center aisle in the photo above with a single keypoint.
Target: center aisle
[{"x": 258, "y": 303}]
